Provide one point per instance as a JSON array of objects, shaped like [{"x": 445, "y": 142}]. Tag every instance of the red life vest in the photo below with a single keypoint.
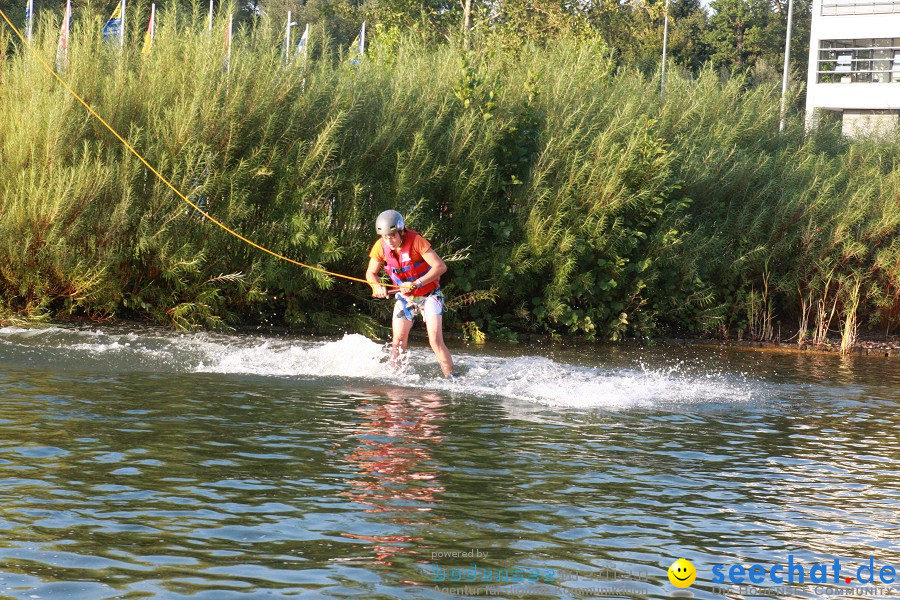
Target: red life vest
[{"x": 404, "y": 269}]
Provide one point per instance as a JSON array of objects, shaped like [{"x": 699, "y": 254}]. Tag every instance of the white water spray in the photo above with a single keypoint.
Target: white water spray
[{"x": 354, "y": 357}]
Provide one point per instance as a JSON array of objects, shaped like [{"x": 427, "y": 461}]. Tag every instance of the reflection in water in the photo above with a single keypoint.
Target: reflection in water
[
  {"x": 137, "y": 479},
  {"x": 397, "y": 474}
]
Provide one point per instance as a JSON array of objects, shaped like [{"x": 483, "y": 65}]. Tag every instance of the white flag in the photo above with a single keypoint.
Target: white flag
[
  {"x": 358, "y": 49},
  {"x": 304, "y": 42},
  {"x": 62, "y": 49}
]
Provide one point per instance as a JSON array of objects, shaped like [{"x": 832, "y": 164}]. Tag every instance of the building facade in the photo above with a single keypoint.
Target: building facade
[{"x": 854, "y": 64}]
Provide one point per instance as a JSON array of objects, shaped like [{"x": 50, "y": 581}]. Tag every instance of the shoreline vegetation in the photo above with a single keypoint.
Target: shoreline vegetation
[{"x": 567, "y": 197}]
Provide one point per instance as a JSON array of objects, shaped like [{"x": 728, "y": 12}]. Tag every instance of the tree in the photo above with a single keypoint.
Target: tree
[
  {"x": 433, "y": 18},
  {"x": 688, "y": 26},
  {"x": 513, "y": 22},
  {"x": 739, "y": 32},
  {"x": 635, "y": 31},
  {"x": 339, "y": 19},
  {"x": 799, "y": 37}
]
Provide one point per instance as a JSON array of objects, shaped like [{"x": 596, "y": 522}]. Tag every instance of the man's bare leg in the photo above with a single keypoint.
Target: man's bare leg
[
  {"x": 434, "y": 325},
  {"x": 401, "y": 329}
]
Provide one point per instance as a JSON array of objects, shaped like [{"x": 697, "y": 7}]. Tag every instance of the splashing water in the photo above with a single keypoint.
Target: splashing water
[
  {"x": 529, "y": 378},
  {"x": 352, "y": 356}
]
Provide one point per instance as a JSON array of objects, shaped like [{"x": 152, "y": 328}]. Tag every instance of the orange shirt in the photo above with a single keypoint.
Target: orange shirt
[{"x": 419, "y": 247}]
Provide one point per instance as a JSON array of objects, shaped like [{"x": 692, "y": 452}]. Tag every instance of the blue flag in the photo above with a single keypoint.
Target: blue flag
[
  {"x": 112, "y": 30},
  {"x": 29, "y": 14}
]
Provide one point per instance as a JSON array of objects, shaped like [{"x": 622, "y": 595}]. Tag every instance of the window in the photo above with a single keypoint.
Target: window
[
  {"x": 844, "y": 62},
  {"x": 859, "y": 61},
  {"x": 859, "y": 7}
]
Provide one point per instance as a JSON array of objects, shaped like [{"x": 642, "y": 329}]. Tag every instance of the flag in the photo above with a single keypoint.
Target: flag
[
  {"x": 303, "y": 43},
  {"x": 29, "y": 13},
  {"x": 112, "y": 30},
  {"x": 62, "y": 49},
  {"x": 358, "y": 48},
  {"x": 151, "y": 30}
]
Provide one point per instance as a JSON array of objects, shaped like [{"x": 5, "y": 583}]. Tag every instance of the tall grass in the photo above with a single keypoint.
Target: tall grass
[{"x": 566, "y": 197}]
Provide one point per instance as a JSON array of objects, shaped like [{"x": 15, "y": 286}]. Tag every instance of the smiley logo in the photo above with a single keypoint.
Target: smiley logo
[{"x": 682, "y": 573}]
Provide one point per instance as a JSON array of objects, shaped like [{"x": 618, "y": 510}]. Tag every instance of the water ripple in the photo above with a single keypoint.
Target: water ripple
[{"x": 120, "y": 482}]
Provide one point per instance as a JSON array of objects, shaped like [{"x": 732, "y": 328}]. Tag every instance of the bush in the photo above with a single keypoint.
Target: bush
[{"x": 565, "y": 197}]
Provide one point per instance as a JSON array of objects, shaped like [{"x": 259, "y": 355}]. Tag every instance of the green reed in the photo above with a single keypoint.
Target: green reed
[{"x": 567, "y": 198}]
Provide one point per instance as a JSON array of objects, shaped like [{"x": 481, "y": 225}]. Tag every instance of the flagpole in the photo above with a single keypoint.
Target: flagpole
[
  {"x": 210, "y": 14},
  {"x": 787, "y": 65},
  {"x": 662, "y": 75},
  {"x": 228, "y": 50},
  {"x": 467, "y": 23},
  {"x": 62, "y": 48},
  {"x": 68, "y": 28},
  {"x": 122, "y": 31},
  {"x": 287, "y": 39}
]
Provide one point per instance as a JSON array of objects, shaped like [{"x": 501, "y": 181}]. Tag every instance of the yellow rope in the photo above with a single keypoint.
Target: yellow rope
[{"x": 163, "y": 179}]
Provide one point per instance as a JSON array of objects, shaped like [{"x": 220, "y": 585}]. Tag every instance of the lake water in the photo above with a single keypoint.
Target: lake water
[{"x": 140, "y": 463}]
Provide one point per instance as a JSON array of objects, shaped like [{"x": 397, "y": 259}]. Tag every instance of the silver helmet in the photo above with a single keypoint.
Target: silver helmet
[{"x": 389, "y": 221}]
